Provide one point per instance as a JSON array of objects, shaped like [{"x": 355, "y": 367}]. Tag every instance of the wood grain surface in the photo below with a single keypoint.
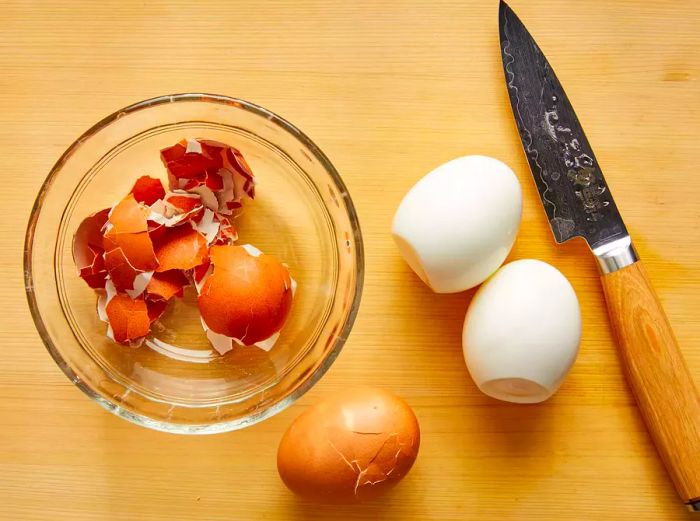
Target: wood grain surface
[{"x": 389, "y": 90}]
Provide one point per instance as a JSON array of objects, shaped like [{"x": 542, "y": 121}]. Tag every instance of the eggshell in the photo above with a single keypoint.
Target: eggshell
[
  {"x": 94, "y": 272},
  {"x": 227, "y": 233},
  {"x": 522, "y": 332},
  {"x": 166, "y": 285},
  {"x": 247, "y": 296},
  {"x": 456, "y": 226},
  {"x": 350, "y": 447},
  {"x": 128, "y": 318},
  {"x": 215, "y": 171},
  {"x": 120, "y": 271},
  {"x": 181, "y": 248},
  {"x": 129, "y": 216},
  {"x": 155, "y": 308},
  {"x": 171, "y": 211},
  {"x": 244, "y": 182},
  {"x": 136, "y": 247},
  {"x": 189, "y": 159},
  {"x": 88, "y": 249},
  {"x": 145, "y": 249},
  {"x": 148, "y": 190}
]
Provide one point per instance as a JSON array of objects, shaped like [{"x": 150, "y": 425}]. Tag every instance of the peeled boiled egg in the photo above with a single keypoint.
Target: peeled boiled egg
[
  {"x": 350, "y": 447},
  {"x": 456, "y": 226},
  {"x": 246, "y": 297},
  {"x": 522, "y": 332}
]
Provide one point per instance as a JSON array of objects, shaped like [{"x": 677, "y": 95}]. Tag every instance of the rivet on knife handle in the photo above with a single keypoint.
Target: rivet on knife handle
[{"x": 578, "y": 203}]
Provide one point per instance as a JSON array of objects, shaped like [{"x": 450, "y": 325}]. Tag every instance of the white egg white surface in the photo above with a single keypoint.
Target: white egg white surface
[
  {"x": 456, "y": 226},
  {"x": 522, "y": 332}
]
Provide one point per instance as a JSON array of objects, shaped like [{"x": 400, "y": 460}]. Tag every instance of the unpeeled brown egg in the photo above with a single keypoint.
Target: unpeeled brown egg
[{"x": 350, "y": 447}]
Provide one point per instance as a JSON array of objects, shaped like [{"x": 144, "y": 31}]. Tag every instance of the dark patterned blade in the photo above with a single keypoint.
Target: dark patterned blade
[{"x": 571, "y": 185}]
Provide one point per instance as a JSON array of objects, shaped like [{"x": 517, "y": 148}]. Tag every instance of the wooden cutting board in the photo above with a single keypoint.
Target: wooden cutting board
[{"x": 388, "y": 90}]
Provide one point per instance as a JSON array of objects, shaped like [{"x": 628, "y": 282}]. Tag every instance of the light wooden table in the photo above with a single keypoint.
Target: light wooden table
[{"x": 389, "y": 90}]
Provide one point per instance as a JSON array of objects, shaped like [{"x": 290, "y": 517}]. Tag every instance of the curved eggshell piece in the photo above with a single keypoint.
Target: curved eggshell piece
[
  {"x": 95, "y": 274},
  {"x": 128, "y": 318},
  {"x": 136, "y": 247},
  {"x": 185, "y": 203},
  {"x": 190, "y": 158},
  {"x": 155, "y": 308},
  {"x": 181, "y": 248},
  {"x": 129, "y": 216},
  {"x": 166, "y": 285},
  {"x": 88, "y": 249},
  {"x": 350, "y": 447},
  {"x": 247, "y": 296},
  {"x": 148, "y": 190}
]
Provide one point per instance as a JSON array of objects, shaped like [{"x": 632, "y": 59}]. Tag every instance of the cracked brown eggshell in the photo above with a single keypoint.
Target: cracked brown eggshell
[
  {"x": 350, "y": 447},
  {"x": 248, "y": 295}
]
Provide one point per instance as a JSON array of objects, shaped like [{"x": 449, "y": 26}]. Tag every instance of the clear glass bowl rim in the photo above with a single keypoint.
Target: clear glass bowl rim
[{"x": 331, "y": 355}]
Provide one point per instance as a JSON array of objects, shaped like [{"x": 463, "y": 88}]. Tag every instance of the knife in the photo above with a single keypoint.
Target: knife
[{"x": 578, "y": 203}]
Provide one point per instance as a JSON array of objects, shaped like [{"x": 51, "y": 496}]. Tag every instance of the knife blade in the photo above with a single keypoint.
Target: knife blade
[{"x": 578, "y": 203}]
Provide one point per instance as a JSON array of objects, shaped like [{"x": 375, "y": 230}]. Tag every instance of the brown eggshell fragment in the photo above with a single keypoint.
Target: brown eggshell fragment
[
  {"x": 243, "y": 177},
  {"x": 88, "y": 249},
  {"x": 206, "y": 185},
  {"x": 350, "y": 447},
  {"x": 200, "y": 273},
  {"x": 175, "y": 209},
  {"x": 95, "y": 274},
  {"x": 148, "y": 190},
  {"x": 121, "y": 273},
  {"x": 89, "y": 232},
  {"x": 128, "y": 318},
  {"x": 209, "y": 226},
  {"x": 180, "y": 248},
  {"x": 156, "y": 231},
  {"x": 129, "y": 216},
  {"x": 247, "y": 296},
  {"x": 185, "y": 203},
  {"x": 214, "y": 170},
  {"x": 136, "y": 247},
  {"x": 189, "y": 158},
  {"x": 166, "y": 285},
  {"x": 155, "y": 308},
  {"x": 227, "y": 234}
]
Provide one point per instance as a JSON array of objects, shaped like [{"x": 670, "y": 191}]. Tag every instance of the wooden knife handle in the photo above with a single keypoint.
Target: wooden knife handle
[{"x": 657, "y": 374}]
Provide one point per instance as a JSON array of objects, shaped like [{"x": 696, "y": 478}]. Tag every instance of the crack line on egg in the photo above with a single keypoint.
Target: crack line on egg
[
  {"x": 368, "y": 482},
  {"x": 396, "y": 458},
  {"x": 342, "y": 456},
  {"x": 376, "y": 455},
  {"x": 245, "y": 334}
]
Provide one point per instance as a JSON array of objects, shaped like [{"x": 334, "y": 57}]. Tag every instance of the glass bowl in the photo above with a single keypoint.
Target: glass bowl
[{"x": 175, "y": 382}]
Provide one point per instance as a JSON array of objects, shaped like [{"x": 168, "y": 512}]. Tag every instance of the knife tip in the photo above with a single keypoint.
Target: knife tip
[
  {"x": 503, "y": 6},
  {"x": 507, "y": 17},
  {"x": 503, "y": 9}
]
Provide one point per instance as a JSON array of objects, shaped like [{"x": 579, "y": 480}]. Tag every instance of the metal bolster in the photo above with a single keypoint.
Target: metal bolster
[{"x": 616, "y": 255}]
